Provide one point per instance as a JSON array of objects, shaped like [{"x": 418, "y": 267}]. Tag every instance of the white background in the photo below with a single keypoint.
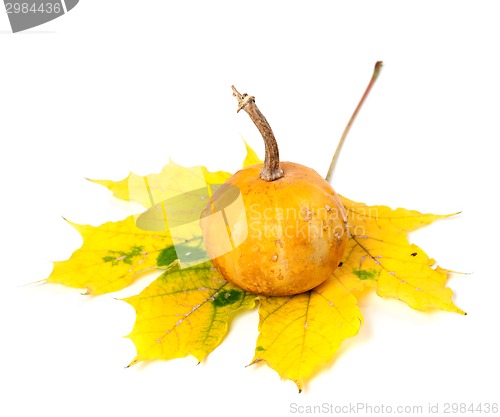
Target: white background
[{"x": 121, "y": 85}]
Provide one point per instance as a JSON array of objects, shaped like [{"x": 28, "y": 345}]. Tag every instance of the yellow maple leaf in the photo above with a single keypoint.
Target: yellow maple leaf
[
  {"x": 185, "y": 312},
  {"x": 300, "y": 333}
]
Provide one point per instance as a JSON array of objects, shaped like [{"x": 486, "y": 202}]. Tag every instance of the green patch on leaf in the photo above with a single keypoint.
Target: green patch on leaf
[
  {"x": 166, "y": 256},
  {"x": 116, "y": 257},
  {"x": 259, "y": 349},
  {"x": 224, "y": 298},
  {"x": 190, "y": 253},
  {"x": 363, "y": 274}
]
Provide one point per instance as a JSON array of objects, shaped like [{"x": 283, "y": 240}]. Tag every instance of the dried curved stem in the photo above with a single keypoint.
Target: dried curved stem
[{"x": 272, "y": 170}]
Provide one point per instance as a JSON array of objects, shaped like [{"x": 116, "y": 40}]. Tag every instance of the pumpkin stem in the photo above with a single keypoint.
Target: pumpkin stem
[{"x": 272, "y": 170}]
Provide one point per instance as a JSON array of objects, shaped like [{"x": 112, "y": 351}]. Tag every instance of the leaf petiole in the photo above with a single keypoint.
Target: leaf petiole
[{"x": 376, "y": 72}]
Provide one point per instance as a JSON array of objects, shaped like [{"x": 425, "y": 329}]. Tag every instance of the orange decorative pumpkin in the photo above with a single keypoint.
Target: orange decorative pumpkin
[{"x": 274, "y": 228}]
